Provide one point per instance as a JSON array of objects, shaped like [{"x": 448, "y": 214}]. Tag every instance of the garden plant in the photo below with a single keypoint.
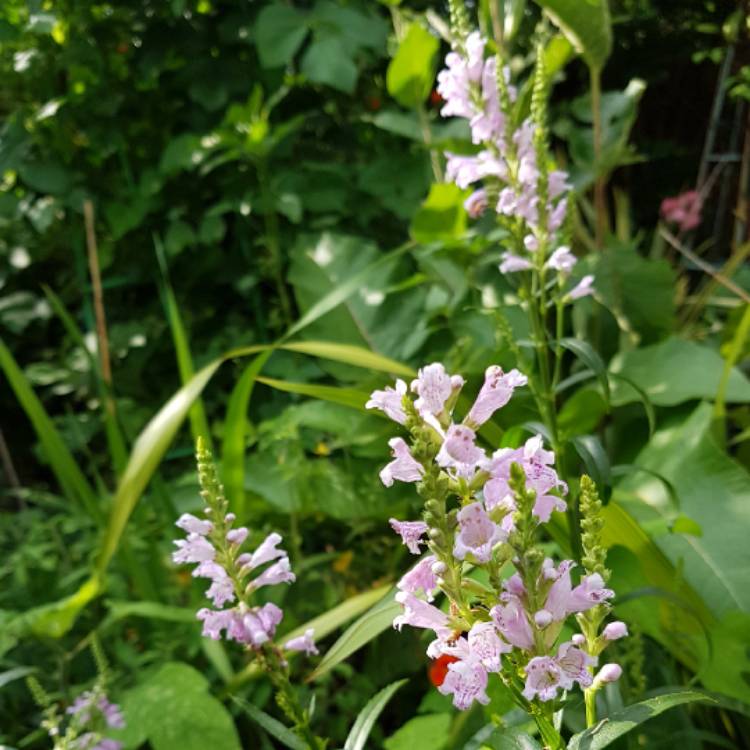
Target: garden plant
[{"x": 374, "y": 374}]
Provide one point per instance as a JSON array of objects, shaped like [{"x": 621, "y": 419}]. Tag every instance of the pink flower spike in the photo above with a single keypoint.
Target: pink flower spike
[
  {"x": 495, "y": 393},
  {"x": 615, "y": 630},
  {"x": 279, "y": 572},
  {"x": 486, "y": 645},
  {"x": 583, "y": 289},
  {"x": 467, "y": 682},
  {"x": 237, "y": 536},
  {"x": 420, "y": 614},
  {"x": 478, "y": 534},
  {"x": 562, "y": 260},
  {"x": 215, "y": 622},
  {"x": 459, "y": 447},
  {"x": 513, "y": 263},
  {"x": 266, "y": 551},
  {"x": 259, "y": 624},
  {"x": 588, "y": 594},
  {"x": 390, "y": 401},
  {"x": 193, "y": 525},
  {"x": 574, "y": 664},
  {"x": 434, "y": 387},
  {"x": 512, "y": 623},
  {"x": 421, "y": 578},
  {"x": 303, "y": 642},
  {"x": 194, "y": 549},
  {"x": 404, "y": 467},
  {"x": 543, "y": 677},
  {"x": 411, "y": 533},
  {"x": 683, "y": 210},
  {"x": 221, "y": 590}
]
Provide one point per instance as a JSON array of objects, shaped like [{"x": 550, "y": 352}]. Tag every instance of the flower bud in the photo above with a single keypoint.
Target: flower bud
[
  {"x": 608, "y": 673},
  {"x": 439, "y": 567},
  {"x": 542, "y": 618},
  {"x": 229, "y": 518},
  {"x": 578, "y": 639},
  {"x": 615, "y": 630}
]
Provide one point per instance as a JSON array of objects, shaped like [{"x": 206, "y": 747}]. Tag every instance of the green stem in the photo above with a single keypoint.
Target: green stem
[{"x": 589, "y": 696}]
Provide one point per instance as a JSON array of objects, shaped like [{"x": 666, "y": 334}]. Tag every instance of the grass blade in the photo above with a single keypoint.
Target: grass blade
[
  {"x": 366, "y": 718},
  {"x": 74, "y": 484}
]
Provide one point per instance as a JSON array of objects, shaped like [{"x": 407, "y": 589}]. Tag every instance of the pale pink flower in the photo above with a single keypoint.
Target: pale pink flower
[
  {"x": 266, "y": 551},
  {"x": 589, "y": 593},
  {"x": 420, "y": 614},
  {"x": 476, "y": 203},
  {"x": 390, "y": 401},
  {"x": 487, "y": 646},
  {"x": 193, "y": 525},
  {"x": 562, "y": 260},
  {"x": 459, "y": 447},
  {"x": 608, "y": 673},
  {"x": 194, "y": 549},
  {"x": 512, "y": 622},
  {"x": 404, "y": 467},
  {"x": 574, "y": 664},
  {"x": 434, "y": 386},
  {"x": 466, "y": 680},
  {"x": 543, "y": 676},
  {"x": 583, "y": 288},
  {"x": 615, "y": 630},
  {"x": 411, "y": 533},
  {"x": 279, "y": 572},
  {"x": 683, "y": 210},
  {"x": 513, "y": 263},
  {"x": 495, "y": 393},
  {"x": 477, "y": 535},
  {"x": 303, "y": 642},
  {"x": 421, "y": 578}
]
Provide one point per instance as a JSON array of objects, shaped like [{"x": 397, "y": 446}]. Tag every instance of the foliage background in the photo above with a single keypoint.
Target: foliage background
[{"x": 247, "y": 158}]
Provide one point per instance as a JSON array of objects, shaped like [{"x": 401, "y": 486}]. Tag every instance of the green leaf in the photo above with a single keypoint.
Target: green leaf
[
  {"x": 367, "y": 627},
  {"x": 46, "y": 177},
  {"x": 235, "y": 430},
  {"x": 279, "y": 33},
  {"x": 121, "y": 610},
  {"x": 648, "y": 407},
  {"x": 346, "y": 396},
  {"x": 586, "y": 353},
  {"x": 714, "y": 492},
  {"x": 74, "y": 484},
  {"x": 421, "y": 733},
  {"x": 173, "y": 710},
  {"x": 608, "y": 730},
  {"x": 587, "y": 25},
  {"x": 352, "y": 355},
  {"x": 198, "y": 421},
  {"x": 274, "y": 727},
  {"x": 511, "y": 739},
  {"x": 442, "y": 216},
  {"x": 367, "y": 717},
  {"x": 595, "y": 458},
  {"x": 412, "y": 71},
  {"x": 327, "y": 61},
  {"x": 640, "y": 292},
  {"x": 324, "y": 624},
  {"x": 675, "y": 371}
]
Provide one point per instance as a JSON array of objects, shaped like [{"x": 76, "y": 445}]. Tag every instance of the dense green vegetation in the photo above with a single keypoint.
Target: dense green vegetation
[{"x": 270, "y": 238}]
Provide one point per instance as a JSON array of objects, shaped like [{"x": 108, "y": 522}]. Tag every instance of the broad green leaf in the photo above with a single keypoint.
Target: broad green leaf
[
  {"x": 367, "y": 717},
  {"x": 274, "y": 727},
  {"x": 421, "y": 733},
  {"x": 640, "y": 292},
  {"x": 74, "y": 484},
  {"x": 586, "y": 353},
  {"x": 511, "y": 739},
  {"x": 595, "y": 458},
  {"x": 279, "y": 33},
  {"x": 367, "y": 627},
  {"x": 442, "y": 216},
  {"x": 587, "y": 25},
  {"x": 675, "y": 371},
  {"x": 324, "y": 624},
  {"x": 604, "y": 733},
  {"x": 714, "y": 491},
  {"x": 173, "y": 710},
  {"x": 412, "y": 71},
  {"x": 327, "y": 61}
]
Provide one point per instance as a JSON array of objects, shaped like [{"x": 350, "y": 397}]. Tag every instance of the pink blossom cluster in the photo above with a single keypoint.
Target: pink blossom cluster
[
  {"x": 523, "y": 624},
  {"x": 94, "y": 712},
  {"x": 215, "y": 548},
  {"x": 469, "y": 87}
]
